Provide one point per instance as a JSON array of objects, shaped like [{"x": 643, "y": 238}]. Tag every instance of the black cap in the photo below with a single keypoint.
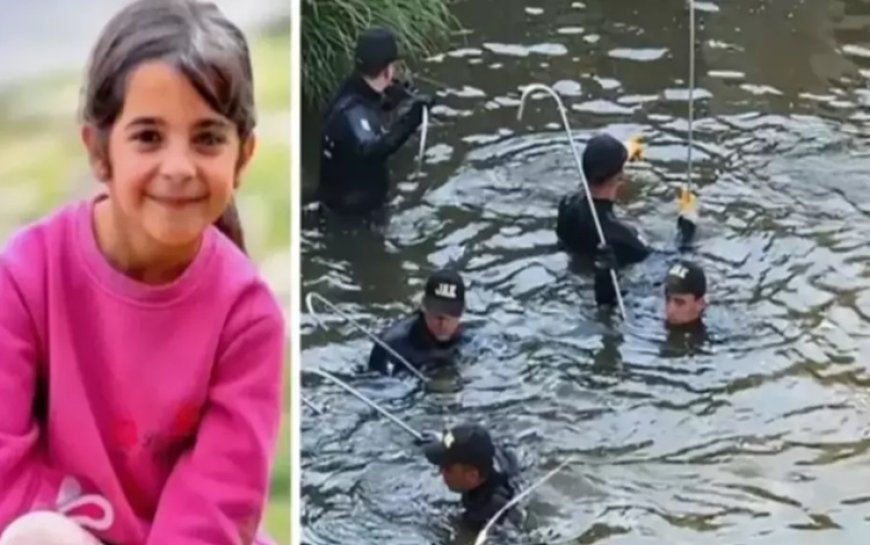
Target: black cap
[
  {"x": 376, "y": 48},
  {"x": 466, "y": 444},
  {"x": 686, "y": 277},
  {"x": 603, "y": 158},
  {"x": 445, "y": 293}
]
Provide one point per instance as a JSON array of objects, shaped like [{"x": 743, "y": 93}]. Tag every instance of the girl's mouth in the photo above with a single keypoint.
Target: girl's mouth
[{"x": 177, "y": 202}]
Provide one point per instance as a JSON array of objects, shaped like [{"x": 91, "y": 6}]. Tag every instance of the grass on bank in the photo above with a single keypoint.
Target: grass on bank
[
  {"x": 330, "y": 29},
  {"x": 42, "y": 164}
]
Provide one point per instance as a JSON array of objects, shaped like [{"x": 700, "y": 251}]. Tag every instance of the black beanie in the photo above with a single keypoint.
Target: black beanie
[{"x": 376, "y": 48}]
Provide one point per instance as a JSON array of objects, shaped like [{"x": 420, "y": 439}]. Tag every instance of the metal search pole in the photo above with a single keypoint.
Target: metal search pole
[
  {"x": 359, "y": 395},
  {"x": 688, "y": 186},
  {"x": 311, "y": 405},
  {"x": 481, "y": 537},
  {"x": 314, "y": 295},
  {"x": 550, "y": 91},
  {"x": 424, "y": 131}
]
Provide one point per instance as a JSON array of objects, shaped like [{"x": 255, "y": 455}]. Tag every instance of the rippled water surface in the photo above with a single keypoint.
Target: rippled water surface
[{"x": 759, "y": 434}]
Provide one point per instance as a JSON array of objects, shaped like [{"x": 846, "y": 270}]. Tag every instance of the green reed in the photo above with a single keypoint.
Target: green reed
[{"x": 330, "y": 29}]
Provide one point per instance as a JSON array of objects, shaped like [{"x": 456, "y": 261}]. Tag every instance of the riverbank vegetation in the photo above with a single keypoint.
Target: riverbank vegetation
[{"x": 329, "y": 31}]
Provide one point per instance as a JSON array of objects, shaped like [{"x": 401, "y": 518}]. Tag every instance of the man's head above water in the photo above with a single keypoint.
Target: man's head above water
[
  {"x": 465, "y": 455},
  {"x": 685, "y": 294},
  {"x": 376, "y": 56},
  {"x": 443, "y": 304},
  {"x": 604, "y": 165}
]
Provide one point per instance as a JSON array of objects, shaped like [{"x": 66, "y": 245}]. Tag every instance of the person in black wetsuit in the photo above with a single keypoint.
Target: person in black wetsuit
[
  {"x": 485, "y": 474},
  {"x": 603, "y": 164},
  {"x": 432, "y": 335},
  {"x": 356, "y": 142}
]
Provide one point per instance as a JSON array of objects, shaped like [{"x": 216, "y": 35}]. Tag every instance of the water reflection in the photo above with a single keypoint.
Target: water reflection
[{"x": 757, "y": 433}]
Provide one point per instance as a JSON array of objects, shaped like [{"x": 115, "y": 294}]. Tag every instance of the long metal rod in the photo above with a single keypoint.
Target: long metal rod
[
  {"x": 550, "y": 91},
  {"x": 311, "y": 405},
  {"x": 359, "y": 395},
  {"x": 481, "y": 537},
  {"x": 423, "y": 134},
  {"x": 314, "y": 295},
  {"x": 691, "y": 92}
]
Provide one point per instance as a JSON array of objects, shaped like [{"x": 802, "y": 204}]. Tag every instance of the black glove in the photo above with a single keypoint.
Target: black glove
[
  {"x": 398, "y": 90},
  {"x": 605, "y": 261},
  {"x": 429, "y": 437},
  {"x": 416, "y": 111},
  {"x": 686, "y": 227},
  {"x": 605, "y": 258},
  {"x": 396, "y": 93}
]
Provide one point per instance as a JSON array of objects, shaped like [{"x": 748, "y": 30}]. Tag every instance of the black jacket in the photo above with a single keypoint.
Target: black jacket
[
  {"x": 482, "y": 503},
  {"x": 575, "y": 228},
  {"x": 355, "y": 145},
  {"x": 412, "y": 340}
]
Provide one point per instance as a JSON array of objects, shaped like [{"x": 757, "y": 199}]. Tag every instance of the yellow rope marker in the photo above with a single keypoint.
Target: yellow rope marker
[
  {"x": 688, "y": 204},
  {"x": 635, "y": 148}
]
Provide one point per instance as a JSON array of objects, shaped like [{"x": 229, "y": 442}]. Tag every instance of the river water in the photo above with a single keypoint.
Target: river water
[{"x": 758, "y": 435}]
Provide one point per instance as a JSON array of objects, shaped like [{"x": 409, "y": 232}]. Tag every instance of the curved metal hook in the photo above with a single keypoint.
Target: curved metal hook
[
  {"x": 481, "y": 537},
  {"x": 308, "y": 299},
  {"x": 579, "y": 163},
  {"x": 359, "y": 395}
]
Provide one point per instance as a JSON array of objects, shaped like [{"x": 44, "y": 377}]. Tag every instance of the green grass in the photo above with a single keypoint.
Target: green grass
[
  {"x": 278, "y": 512},
  {"x": 42, "y": 164},
  {"x": 271, "y": 58},
  {"x": 330, "y": 29}
]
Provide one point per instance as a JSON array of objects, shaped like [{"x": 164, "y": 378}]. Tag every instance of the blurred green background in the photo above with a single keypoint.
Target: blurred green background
[{"x": 42, "y": 165}]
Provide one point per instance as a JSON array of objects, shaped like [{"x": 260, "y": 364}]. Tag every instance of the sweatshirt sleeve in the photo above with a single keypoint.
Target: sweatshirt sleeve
[
  {"x": 26, "y": 481},
  {"x": 217, "y": 491}
]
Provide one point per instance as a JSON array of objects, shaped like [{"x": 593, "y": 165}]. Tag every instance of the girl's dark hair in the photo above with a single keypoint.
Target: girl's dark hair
[{"x": 200, "y": 42}]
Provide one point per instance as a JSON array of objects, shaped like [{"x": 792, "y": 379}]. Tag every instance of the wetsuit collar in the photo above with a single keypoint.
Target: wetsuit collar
[
  {"x": 604, "y": 205},
  {"x": 358, "y": 85},
  {"x": 693, "y": 328},
  {"x": 485, "y": 489}
]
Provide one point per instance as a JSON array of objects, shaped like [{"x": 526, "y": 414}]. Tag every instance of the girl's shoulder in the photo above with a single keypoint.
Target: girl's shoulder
[{"x": 241, "y": 279}]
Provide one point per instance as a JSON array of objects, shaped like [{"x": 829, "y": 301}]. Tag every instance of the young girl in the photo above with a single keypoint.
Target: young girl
[{"x": 140, "y": 353}]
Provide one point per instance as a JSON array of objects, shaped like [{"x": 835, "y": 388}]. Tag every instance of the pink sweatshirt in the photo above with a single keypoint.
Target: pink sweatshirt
[{"x": 164, "y": 401}]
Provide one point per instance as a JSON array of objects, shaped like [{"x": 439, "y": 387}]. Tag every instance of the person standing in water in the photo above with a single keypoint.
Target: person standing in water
[
  {"x": 141, "y": 354},
  {"x": 356, "y": 142},
  {"x": 432, "y": 335},
  {"x": 603, "y": 165},
  {"x": 604, "y": 162},
  {"x": 471, "y": 464}
]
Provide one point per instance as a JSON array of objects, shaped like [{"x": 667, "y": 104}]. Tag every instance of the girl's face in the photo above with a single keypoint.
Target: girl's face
[{"x": 174, "y": 162}]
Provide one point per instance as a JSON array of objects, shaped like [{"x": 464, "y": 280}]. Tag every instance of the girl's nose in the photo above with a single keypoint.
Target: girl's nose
[{"x": 177, "y": 164}]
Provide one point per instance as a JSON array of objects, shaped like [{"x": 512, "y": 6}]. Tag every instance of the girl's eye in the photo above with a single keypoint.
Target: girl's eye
[
  {"x": 210, "y": 139},
  {"x": 147, "y": 137}
]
